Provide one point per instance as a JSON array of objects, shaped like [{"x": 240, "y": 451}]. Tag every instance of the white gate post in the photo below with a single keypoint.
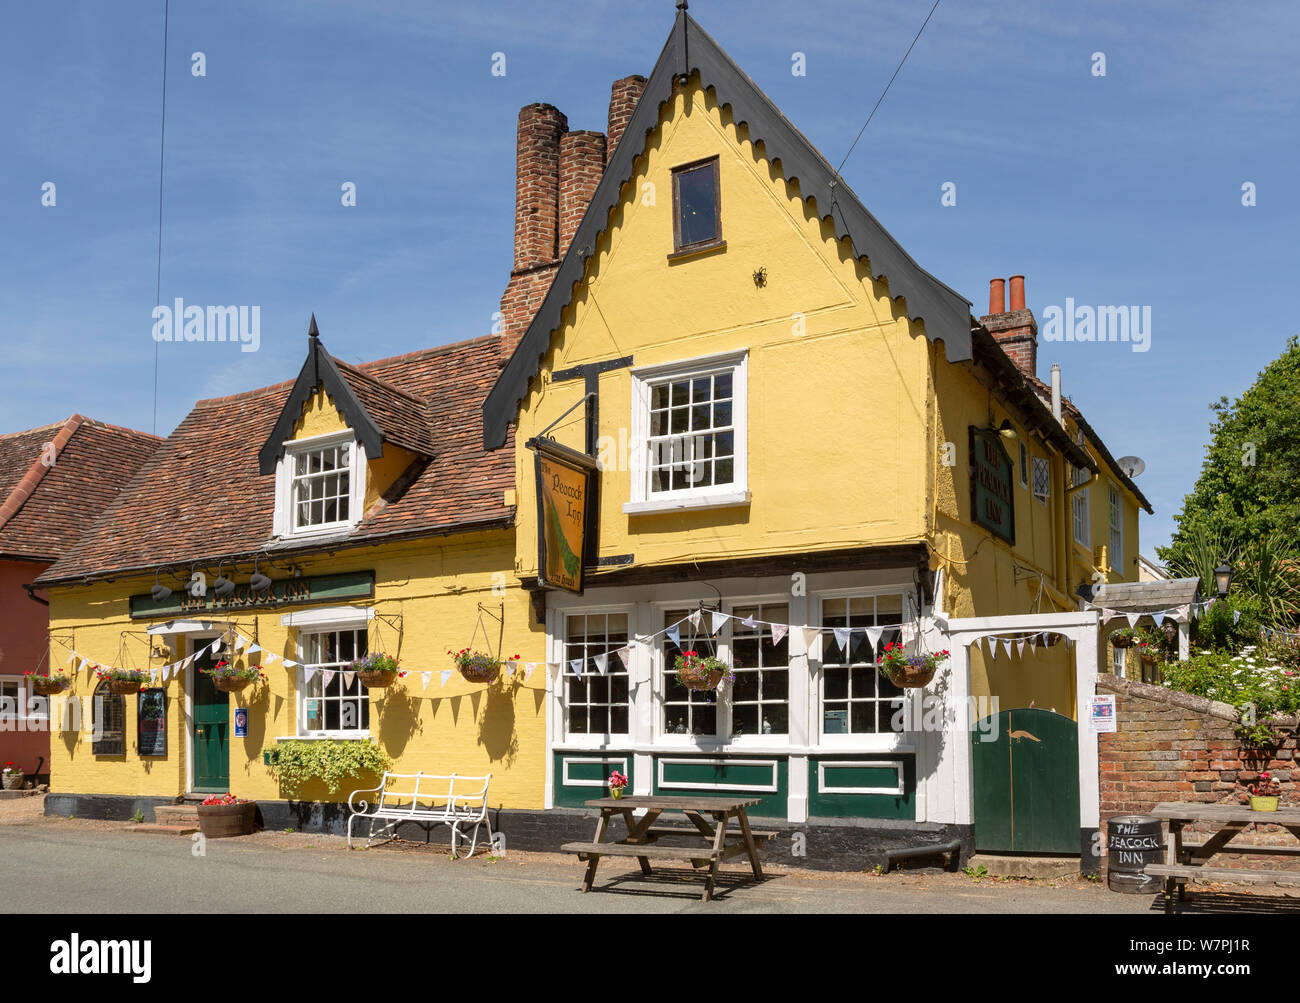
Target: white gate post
[{"x": 1085, "y": 679}]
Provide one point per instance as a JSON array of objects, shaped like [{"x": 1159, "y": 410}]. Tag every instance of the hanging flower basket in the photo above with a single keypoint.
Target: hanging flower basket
[
  {"x": 909, "y": 672},
  {"x": 377, "y": 671},
  {"x": 228, "y": 679},
  {"x": 476, "y": 666},
  {"x": 221, "y": 816},
  {"x": 121, "y": 682},
  {"x": 1125, "y": 637},
  {"x": 701, "y": 673},
  {"x": 48, "y": 686}
]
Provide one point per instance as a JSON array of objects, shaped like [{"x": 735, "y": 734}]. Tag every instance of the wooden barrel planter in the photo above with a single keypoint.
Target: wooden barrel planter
[
  {"x": 230, "y": 684},
  {"x": 44, "y": 686},
  {"x": 910, "y": 677},
  {"x": 377, "y": 680},
  {"x": 217, "y": 821},
  {"x": 123, "y": 687}
]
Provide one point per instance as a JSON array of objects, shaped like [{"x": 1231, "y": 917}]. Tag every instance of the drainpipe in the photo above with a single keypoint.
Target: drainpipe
[{"x": 31, "y": 594}]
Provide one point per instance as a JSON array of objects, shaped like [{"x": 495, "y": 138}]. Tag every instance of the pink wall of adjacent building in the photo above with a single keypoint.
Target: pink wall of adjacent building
[{"x": 24, "y": 626}]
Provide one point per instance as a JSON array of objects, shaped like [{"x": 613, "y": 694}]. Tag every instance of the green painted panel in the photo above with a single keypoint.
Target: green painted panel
[
  {"x": 1027, "y": 784},
  {"x": 892, "y": 806},
  {"x": 573, "y": 795},
  {"x": 711, "y": 779},
  {"x": 285, "y": 592},
  {"x": 211, "y": 733}
]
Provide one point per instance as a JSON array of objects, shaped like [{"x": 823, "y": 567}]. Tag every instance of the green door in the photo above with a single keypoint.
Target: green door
[
  {"x": 1027, "y": 783},
  {"x": 211, "y": 732}
]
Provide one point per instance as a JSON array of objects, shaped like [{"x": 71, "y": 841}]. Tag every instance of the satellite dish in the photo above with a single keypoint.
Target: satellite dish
[{"x": 1131, "y": 465}]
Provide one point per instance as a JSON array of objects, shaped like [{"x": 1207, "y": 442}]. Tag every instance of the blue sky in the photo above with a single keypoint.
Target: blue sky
[{"x": 1115, "y": 190}]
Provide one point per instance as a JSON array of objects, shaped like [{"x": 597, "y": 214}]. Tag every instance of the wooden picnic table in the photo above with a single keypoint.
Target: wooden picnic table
[
  {"x": 710, "y": 837},
  {"x": 1186, "y": 861}
]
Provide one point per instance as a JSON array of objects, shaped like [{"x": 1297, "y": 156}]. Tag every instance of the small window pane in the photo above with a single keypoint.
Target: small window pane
[{"x": 697, "y": 194}]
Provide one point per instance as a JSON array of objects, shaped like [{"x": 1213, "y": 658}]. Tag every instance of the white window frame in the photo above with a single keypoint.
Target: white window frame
[
  {"x": 1115, "y": 517},
  {"x": 727, "y": 708},
  {"x": 880, "y": 741},
  {"x": 713, "y": 496},
  {"x": 284, "y": 520},
  {"x": 26, "y": 703},
  {"x": 596, "y": 739},
  {"x": 303, "y": 632},
  {"x": 662, "y": 736},
  {"x": 1081, "y": 513}
]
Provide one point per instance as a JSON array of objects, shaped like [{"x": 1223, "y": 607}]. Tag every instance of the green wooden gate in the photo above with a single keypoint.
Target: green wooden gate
[
  {"x": 1027, "y": 783},
  {"x": 211, "y": 732}
]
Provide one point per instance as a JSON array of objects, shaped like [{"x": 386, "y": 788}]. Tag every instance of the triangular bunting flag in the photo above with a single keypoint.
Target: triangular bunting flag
[
  {"x": 253, "y": 649},
  {"x": 215, "y": 646},
  {"x": 873, "y": 636},
  {"x": 675, "y": 635},
  {"x": 1107, "y": 615},
  {"x": 719, "y": 621},
  {"x": 625, "y": 656},
  {"x": 289, "y": 663},
  {"x": 153, "y": 675},
  {"x": 270, "y": 656},
  {"x": 779, "y": 630},
  {"x": 1133, "y": 618},
  {"x": 425, "y": 679},
  {"x": 1006, "y": 647},
  {"x": 810, "y": 634},
  {"x": 327, "y": 677},
  {"x": 750, "y": 622},
  {"x": 576, "y": 665},
  {"x": 445, "y": 674},
  {"x": 695, "y": 619},
  {"x": 842, "y": 639},
  {"x": 84, "y": 663},
  {"x": 311, "y": 673},
  {"x": 602, "y": 663},
  {"x": 348, "y": 679},
  {"x": 528, "y": 671},
  {"x": 71, "y": 657},
  {"x": 1020, "y": 648}
]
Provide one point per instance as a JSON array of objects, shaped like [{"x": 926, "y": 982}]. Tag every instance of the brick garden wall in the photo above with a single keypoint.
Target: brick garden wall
[{"x": 1172, "y": 746}]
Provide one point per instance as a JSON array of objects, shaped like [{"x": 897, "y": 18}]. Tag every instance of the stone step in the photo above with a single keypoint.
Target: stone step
[
  {"x": 176, "y": 814},
  {"x": 1013, "y": 866},
  {"x": 169, "y": 830}
]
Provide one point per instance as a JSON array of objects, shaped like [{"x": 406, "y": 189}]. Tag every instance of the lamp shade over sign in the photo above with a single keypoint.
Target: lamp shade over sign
[{"x": 159, "y": 591}]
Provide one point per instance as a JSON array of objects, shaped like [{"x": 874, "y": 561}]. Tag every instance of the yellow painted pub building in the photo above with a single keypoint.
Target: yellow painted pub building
[{"x": 726, "y": 412}]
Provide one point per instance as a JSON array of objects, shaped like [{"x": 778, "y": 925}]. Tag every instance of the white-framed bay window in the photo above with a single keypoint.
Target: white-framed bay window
[
  {"x": 689, "y": 434},
  {"x": 320, "y": 485}
]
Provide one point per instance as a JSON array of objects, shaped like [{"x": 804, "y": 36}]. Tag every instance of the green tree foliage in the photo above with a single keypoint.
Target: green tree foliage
[{"x": 1245, "y": 505}]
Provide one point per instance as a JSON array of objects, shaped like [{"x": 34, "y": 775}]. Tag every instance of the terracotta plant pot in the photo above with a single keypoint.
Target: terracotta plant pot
[
  {"x": 1262, "y": 802},
  {"x": 377, "y": 680},
  {"x": 908, "y": 677},
  {"x": 478, "y": 674},
  {"x": 230, "y": 684},
  {"x": 13, "y": 781},
  {"x": 46, "y": 687},
  {"x": 123, "y": 687},
  {"x": 217, "y": 821}
]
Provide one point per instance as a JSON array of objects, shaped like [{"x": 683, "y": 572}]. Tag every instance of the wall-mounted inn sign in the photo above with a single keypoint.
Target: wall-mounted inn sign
[
  {"x": 285, "y": 592},
  {"x": 566, "y": 496},
  {"x": 992, "y": 503}
]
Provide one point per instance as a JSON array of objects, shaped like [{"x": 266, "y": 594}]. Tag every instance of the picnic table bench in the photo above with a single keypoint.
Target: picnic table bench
[
  {"x": 451, "y": 799},
  {"x": 1186, "y": 861},
  {"x": 711, "y": 838}
]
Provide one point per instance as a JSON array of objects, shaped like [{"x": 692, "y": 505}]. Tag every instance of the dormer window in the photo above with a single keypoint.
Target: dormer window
[{"x": 320, "y": 485}]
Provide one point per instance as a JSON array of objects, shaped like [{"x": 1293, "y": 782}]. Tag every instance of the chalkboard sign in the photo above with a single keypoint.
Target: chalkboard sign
[{"x": 151, "y": 722}]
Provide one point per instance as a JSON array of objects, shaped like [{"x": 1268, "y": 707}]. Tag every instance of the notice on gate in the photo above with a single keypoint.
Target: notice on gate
[{"x": 1101, "y": 713}]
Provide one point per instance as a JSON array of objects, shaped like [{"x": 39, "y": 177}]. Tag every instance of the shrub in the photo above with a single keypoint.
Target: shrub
[
  {"x": 333, "y": 763},
  {"x": 1258, "y": 687}
]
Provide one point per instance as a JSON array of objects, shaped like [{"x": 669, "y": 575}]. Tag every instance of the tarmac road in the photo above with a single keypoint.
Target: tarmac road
[{"x": 60, "y": 866}]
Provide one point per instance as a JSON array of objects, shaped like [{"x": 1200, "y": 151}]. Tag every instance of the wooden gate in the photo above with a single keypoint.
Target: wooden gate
[{"x": 1027, "y": 783}]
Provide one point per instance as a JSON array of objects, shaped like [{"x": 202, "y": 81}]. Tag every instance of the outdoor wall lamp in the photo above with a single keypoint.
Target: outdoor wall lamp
[
  {"x": 1006, "y": 429},
  {"x": 223, "y": 586},
  {"x": 259, "y": 582},
  {"x": 1223, "y": 578},
  {"x": 159, "y": 592}
]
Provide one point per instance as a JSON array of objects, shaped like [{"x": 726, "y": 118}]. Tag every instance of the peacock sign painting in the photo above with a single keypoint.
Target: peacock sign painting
[{"x": 563, "y": 486}]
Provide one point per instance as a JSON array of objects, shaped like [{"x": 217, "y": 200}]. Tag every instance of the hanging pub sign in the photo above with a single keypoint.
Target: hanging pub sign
[
  {"x": 151, "y": 722},
  {"x": 566, "y": 490},
  {"x": 285, "y": 592},
  {"x": 991, "y": 500}
]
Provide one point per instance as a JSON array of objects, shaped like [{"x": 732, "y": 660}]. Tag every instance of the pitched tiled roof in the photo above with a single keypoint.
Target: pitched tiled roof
[
  {"x": 402, "y": 417},
  {"x": 1145, "y": 597},
  {"x": 202, "y": 496},
  {"x": 45, "y": 507}
]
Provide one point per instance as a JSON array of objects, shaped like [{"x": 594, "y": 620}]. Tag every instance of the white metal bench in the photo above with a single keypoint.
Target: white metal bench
[{"x": 427, "y": 799}]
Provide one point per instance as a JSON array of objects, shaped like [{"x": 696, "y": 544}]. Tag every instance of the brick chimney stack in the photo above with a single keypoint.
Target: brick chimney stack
[
  {"x": 1015, "y": 329},
  {"x": 556, "y": 175},
  {"x": 582, "y": 162},
  {"x": 623, "y": 96}
]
